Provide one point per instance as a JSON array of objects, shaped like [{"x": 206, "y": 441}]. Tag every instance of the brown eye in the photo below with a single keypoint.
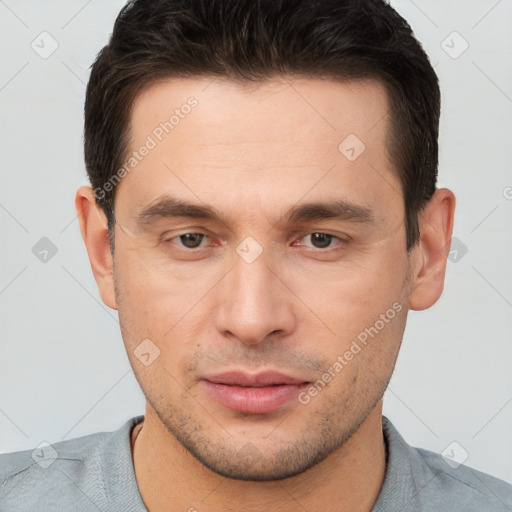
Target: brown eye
[
  {"x": 191, "y": 240},
  {"x": 321, "y": 240}
]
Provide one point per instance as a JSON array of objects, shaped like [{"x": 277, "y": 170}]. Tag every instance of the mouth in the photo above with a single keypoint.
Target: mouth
[{"x": 253, "y": 393}]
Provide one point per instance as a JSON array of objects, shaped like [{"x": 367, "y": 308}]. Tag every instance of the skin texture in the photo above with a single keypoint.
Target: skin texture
[{"x": 252, "y": 152}]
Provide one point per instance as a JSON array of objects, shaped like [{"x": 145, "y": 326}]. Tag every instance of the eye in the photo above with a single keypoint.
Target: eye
[
  {"x": 318, "y": 240},
  {"x": 322, "y": 240},
  {"x": 188, "y": 240}
]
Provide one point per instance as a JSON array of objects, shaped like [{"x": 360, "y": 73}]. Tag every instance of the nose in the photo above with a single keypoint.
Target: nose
[{"x": 254, "y": 303}]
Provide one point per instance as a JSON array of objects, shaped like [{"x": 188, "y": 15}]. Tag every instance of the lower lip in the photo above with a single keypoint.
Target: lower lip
[{"x": 254, "y": 400}]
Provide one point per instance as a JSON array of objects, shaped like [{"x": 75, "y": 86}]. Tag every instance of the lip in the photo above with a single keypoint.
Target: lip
[
  {"x": 253, "y": 393},
  {"x": 257, "y": 380}
]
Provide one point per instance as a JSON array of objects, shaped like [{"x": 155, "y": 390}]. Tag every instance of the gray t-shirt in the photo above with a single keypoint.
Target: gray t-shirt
[{"x": 95, "y": 473}]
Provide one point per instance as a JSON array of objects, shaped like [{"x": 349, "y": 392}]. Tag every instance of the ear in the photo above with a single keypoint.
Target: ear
[
  {"x": 93, "y": 226},
  {"x": 430, "y": 254}
]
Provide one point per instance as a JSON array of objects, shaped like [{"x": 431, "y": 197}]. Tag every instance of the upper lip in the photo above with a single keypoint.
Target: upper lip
[{"x": 262, "y": 379}]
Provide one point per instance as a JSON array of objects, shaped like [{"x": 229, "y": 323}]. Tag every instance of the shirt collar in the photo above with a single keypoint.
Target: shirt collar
[{"x": 398, "y": 491}]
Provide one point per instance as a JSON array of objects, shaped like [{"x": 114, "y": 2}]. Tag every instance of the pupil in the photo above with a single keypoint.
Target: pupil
[
  {"x": 191, "y": 240},
  {"x": 321, "y": 240}
]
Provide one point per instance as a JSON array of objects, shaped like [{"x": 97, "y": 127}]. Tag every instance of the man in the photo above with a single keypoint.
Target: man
[{"x": 263, "y": 215}]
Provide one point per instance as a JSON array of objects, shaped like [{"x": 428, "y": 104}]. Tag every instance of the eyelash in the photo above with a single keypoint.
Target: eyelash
[{"x": 316, "y": 249}]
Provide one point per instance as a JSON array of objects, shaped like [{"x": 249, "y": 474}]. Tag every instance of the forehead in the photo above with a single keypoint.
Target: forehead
[
  {"x": 220, "y": 141},
  {"x": 313, "y": 112}
]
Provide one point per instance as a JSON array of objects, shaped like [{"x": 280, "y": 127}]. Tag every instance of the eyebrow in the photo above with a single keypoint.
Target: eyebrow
[{"x": 167, "y": 206}]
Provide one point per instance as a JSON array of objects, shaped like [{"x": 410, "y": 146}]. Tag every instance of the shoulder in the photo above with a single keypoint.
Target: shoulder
[
  {"x": 32, "y": 479},
  {"x": 67, "y": 475},
  {"x": 459, "y": 486},
  {"x": 423, "y": 480}
]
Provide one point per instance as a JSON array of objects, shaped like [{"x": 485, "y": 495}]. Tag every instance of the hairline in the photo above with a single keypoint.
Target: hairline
[
  {"x": 389, "y": 139},
  {"x": 391, "y": 143}
]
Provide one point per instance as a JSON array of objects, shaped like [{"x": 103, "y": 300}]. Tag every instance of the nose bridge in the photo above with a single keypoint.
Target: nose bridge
[
  {"x": 252, "y": 282},
  {"x": 255, "y": 303}
]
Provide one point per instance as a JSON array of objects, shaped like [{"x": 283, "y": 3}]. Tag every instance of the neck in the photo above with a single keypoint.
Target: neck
[{"x": 169, "y": 477}]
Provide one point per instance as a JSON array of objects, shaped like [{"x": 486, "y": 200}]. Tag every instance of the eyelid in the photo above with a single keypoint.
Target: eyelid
[
  {"x": 341, "y": 240},
  {"x": 301, "y": 233},
  {"x": 167, "y": 239},
  {"x": 297, "y": 235}
]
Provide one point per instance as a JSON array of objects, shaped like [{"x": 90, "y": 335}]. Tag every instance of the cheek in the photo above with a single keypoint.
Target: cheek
[
  {"x": 352, "y": 297},
  {"x": 361, "y": 359},
  {"x": 153, "y": 286},
  {"x": 167, "y": 304}
]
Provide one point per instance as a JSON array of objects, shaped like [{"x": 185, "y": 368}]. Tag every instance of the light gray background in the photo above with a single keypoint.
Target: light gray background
[{"x": 64, "y": 372}]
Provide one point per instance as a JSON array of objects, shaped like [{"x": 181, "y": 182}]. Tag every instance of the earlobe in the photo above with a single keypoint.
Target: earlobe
[
  {"x": 93, "y": 226},
  {"x": 430, "y": 255}
]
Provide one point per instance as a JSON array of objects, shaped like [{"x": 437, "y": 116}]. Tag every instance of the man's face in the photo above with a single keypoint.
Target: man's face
[{"x": 252, "y": 313}]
